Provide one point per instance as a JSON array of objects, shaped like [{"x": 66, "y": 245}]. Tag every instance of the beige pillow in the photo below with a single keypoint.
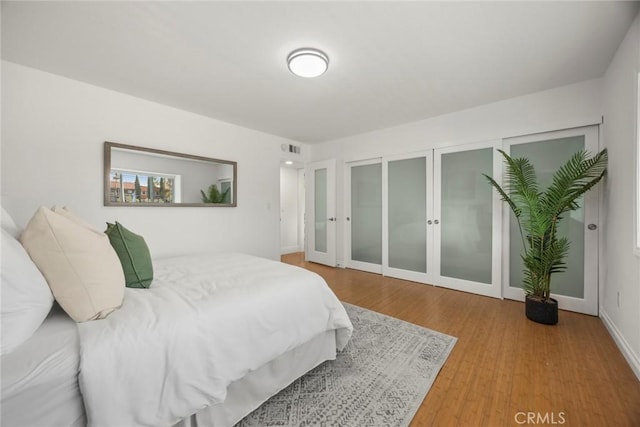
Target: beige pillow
[{"x": 80, "y": 265}]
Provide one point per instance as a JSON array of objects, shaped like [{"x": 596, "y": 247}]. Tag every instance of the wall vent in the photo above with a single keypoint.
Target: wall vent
[{"x": 290, "y": 148}]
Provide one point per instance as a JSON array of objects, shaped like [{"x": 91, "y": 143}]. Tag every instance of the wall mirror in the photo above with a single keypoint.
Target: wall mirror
[{"x": 139, "y": 176}]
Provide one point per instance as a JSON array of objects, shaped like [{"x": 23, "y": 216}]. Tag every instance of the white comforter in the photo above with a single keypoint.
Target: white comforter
[{"x": 206, "y": 321}]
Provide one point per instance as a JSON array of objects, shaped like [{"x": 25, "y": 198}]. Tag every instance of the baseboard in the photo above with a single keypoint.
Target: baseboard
[
  {"x": 623, "y": 345},
  {"x": 289, "y": 250}
]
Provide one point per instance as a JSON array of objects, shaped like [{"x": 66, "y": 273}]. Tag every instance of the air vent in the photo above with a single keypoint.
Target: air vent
[{"x": 290, "y": 148}]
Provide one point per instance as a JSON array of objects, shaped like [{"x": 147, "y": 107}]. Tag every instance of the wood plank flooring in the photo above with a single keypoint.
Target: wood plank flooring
[{"x": 504, "y": 370}]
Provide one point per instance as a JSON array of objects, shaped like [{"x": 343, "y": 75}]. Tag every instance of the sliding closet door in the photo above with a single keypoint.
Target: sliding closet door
[
  {"x": 408, "y": 206},
  {"x": 364, "y": 215},
  {"x": 467, "y": 219},
  {"x": 575, "y": 289}
]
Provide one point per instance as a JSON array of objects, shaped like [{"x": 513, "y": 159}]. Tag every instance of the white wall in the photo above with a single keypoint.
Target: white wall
[
  {"x": 53, "y": 130},
  {"x": 561, "y": 108},
  {"x": 620, "y": 275}
]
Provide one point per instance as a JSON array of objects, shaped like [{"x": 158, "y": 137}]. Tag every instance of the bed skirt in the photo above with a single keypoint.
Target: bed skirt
[{"x": 255, "y": 388}]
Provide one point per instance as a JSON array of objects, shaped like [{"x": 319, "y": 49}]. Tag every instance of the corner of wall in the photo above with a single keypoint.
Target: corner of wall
[
  {"x": 621, "y": 342},
  {"x": 620, "y": 266}
]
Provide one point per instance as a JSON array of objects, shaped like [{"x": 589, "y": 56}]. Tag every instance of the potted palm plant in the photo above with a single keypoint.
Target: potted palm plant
[
  {"x": 538, "y": 213},
  {"x": 213, "y": 195}
]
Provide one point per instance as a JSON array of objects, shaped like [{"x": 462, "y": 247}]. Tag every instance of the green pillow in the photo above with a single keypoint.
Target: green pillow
[{"x": 134, "y": 255}]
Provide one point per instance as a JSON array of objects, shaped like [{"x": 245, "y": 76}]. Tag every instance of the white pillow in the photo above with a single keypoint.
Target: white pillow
[
  {"x": 80, "y": 265},
  {"x": 26, "y": 298},
  {"x": 9, "y": 225}
]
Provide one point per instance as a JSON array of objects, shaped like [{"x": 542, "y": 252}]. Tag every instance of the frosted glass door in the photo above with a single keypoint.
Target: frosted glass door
[
  {"x": 467, "y": 218},
  {"x": 320, "y": 210},
  {"x": 320, "y": 221},
  {"x": 409, "y": 206},
  {"x": 576, "y": 288},
  {"x": 364, "y": 215}
]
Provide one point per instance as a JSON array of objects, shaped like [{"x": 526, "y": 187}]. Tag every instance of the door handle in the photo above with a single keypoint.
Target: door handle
[
  {"x": 435, "y": 221},
  {"x": 429, "y": 222},
  {"x": 592, "y": 226},
  {"x": 331, "y": 219}
]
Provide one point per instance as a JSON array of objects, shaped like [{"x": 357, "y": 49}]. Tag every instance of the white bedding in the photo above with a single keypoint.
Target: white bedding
[
  {"x": 40, "y": 377},
  {"x": 206, "y": 321}
]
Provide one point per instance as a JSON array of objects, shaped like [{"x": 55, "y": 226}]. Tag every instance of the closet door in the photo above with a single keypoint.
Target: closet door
[
  {"x": 407, "y": 201},
  {"x": 467, "y": 219},
  {"x": 576, "y": 289},
  {"x": 364, "y": 215}
]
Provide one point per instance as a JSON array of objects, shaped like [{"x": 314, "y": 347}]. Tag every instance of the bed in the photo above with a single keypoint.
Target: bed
[
  {"x": 212, "y": 339},
  {"x": 40, "y": 377}
]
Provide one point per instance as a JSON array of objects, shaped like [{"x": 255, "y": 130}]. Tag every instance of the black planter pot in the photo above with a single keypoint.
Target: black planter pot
[{"x": 545, "y": 312}]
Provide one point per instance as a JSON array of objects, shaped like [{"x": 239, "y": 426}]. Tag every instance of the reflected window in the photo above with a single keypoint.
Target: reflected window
[{"x": 143, "y": 187}]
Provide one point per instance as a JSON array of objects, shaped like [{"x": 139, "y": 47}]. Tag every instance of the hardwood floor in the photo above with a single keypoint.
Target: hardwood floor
[{"x": 504, "y": 370}]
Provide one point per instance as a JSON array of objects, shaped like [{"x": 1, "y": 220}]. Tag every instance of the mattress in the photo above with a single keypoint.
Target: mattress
[{"x": 40, "y": 378}]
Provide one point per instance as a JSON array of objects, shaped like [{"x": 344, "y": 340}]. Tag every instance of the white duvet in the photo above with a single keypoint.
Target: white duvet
[{"x": 206, "y": 321}]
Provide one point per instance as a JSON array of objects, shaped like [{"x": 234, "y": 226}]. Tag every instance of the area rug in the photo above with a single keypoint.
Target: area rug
[{"x": 379, "y": 379}]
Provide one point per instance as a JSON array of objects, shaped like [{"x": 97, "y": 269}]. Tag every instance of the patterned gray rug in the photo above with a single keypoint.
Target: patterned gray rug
[{"x": 379, "y": 379}]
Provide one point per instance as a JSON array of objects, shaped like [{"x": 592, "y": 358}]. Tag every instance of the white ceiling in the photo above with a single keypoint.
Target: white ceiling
[{"x": 390, "y": 62}]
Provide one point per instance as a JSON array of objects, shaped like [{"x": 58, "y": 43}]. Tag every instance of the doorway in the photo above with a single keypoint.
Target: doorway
[{"x": 292, "y": 208}]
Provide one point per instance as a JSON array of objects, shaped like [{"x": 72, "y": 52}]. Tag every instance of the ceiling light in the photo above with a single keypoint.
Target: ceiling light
[
  {"x": 288, "y": 162},
  {"x": 308, "y": 62}
]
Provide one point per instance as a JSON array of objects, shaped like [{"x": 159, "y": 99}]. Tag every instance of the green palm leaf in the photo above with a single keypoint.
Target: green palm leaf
[
  {"x": 213, "y": 195},
  {"x": 573, "y": 179}
]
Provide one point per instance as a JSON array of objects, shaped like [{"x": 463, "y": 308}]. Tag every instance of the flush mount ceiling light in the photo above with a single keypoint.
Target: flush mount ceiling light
[{"x": 308, "y": 62}]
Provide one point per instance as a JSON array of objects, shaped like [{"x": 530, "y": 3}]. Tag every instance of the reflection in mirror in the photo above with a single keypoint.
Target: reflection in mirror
[{"x": 138, "y": 176}]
